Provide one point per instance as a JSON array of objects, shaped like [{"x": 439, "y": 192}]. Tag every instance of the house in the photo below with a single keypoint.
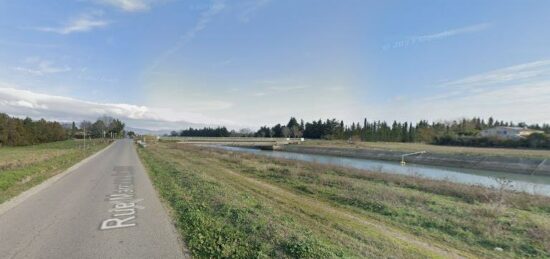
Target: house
[{"x": 513, "y": 133}]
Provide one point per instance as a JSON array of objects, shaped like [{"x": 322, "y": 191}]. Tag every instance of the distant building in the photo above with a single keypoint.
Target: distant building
[{"x": 508, "y": 132}]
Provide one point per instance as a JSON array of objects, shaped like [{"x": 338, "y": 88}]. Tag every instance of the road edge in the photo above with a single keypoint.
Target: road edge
[
  {"x": 167, "y": 209},
  {"x": 15, "y": 201}
]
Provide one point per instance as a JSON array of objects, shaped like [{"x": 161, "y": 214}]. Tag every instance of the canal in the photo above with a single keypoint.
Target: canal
[{"x": 533, "y": 184}]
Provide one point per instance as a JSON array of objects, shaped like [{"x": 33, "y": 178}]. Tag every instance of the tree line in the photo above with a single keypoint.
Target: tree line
[
  {"x": 21, "y": 132},
  {"x": 462, "y": 132},
  {"x": 103, "y": 127},
  {"x": 204, "y": 132}
]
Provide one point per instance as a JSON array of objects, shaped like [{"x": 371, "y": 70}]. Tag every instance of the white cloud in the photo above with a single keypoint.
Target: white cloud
[
  {"x": 40, "y": 67},
  {"x": 82, "y": 23},
  {"x": 129, "y": 5},
  {"x": 22, "y": 103},
  {"x": 437, "y": 36}
]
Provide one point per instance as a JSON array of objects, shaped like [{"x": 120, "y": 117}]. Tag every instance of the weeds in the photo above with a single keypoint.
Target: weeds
[
  {"x": 454, "y": 215},
  {"x": 24, "y": 167}
]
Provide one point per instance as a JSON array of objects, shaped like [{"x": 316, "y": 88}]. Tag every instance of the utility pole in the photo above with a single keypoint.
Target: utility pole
[{"x": 84, "y": 137}]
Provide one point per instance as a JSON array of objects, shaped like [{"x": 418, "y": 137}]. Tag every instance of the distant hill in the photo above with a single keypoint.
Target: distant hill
[{"x": 149, "y": 132}]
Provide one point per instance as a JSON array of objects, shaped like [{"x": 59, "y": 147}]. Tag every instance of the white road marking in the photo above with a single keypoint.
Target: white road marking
[{"x": 123, "y": 200}]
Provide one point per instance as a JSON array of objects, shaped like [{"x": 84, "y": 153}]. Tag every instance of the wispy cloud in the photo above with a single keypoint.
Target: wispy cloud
[
  {"x": 205, "y": 17},
  {"x": 129, "y": 5},
  {"x": 437, "y": 36},
  {"x": 520, "y": 93},
  {"x": 250, "y": 8},
  {"x": 82, "y": 23},
  {"x": 216, "y": 7},
  {"x": 288, "y": 88},
  {"x": 513, "y": 74},
  {"x": 223, "y": 63},
  {"x": 40, "y": 67},
  {"x": 274, "y": 88}
]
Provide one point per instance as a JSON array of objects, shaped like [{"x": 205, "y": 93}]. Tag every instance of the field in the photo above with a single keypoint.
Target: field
[
  {"x": 24, "y": 167},
  {"x": 414, "y": 147},
  {"x": 228, "y": 204}
]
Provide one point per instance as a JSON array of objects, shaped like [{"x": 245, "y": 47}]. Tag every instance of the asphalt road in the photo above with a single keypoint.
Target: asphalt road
[{"x": 106, "y": 208}]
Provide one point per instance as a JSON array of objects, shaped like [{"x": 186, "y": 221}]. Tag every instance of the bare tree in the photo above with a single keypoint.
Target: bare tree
[{"x": 285, "y": 131}]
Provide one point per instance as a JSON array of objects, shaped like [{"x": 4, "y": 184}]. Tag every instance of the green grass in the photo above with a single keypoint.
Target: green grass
[
  {"x": 239, "y": 205},
  {"x": 24, "y": 167},
  {"x": 413, "y": 147}
]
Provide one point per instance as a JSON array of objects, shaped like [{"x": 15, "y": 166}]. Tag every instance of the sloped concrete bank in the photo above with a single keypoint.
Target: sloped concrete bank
[{"x": 531, "y": 166}]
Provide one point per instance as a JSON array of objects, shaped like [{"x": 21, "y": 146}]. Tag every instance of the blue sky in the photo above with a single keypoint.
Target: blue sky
[{"x": 168, "y": 63}]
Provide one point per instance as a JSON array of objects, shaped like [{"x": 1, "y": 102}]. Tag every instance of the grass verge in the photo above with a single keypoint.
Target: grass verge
[
  {"x": 239, "y": 205},
  {"x": 24, "y": 167}
]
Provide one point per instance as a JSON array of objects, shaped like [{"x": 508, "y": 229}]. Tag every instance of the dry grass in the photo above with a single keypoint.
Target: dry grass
[
  {"x": 24, "y": 167},
  {"x": 364, "y": 213}
]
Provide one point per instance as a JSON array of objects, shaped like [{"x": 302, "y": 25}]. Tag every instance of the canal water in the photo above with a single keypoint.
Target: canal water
[{"x": 527, "y": 183}]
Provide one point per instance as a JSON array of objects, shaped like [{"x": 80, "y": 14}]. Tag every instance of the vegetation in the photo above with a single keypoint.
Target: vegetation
[
  {"x": 103, "y": 127},
  {"x": 204, "y": 132},
  {"x": 21, "y": 132},
  {"x": 240, "y": 205},
  {"x": 24, "y": 167},
  {"x": 535, "y": 140},
  {"x": 462, "y": 133},
  {"x": 456, "y": 133}
]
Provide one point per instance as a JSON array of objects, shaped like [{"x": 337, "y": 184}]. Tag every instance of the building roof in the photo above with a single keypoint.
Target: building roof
[{"x": 512, "y": 128}]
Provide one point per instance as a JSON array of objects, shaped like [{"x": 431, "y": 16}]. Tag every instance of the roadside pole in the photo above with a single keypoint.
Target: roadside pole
[{"x": 84, "y": 138}]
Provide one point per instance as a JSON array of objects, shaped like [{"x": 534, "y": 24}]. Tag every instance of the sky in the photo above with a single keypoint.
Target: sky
[{"x": 170, "y": 64}]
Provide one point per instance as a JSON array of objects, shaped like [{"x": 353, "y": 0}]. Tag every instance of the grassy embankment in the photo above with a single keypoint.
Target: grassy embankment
[
  {"x": 414, "y": 147},
  {"x": 240, "y": 205},
  {"x": 24, "y": 167}
]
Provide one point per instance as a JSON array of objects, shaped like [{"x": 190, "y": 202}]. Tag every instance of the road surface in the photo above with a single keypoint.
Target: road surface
[{"x": 106, "y": 208}]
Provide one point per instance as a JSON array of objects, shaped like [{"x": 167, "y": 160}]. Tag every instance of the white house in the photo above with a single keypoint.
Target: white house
[{"x": 508, "y": 132}]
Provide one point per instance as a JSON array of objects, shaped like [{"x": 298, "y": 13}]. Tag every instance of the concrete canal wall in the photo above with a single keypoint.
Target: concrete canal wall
[{"x": 532, "y": 166}]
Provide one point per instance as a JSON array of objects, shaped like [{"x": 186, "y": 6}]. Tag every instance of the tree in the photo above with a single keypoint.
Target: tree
[
  {"x": 205, "y": 132},
  {"x": 98, "y": 129},
  {"x": 20, "y": 132},
  {"x": 295, "y": 129},
  {"x": 292, "y": 122},
  {"x": 278, "y": 131},
  {"x": 285, "y": 131},
  {"x": 538, "y": 140},
  {"x": 264, "y": 132},
  {"x": 74, "y": 129},
  {"x": 116, "y": 127},
  {"x": 85, "y": 125}
]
